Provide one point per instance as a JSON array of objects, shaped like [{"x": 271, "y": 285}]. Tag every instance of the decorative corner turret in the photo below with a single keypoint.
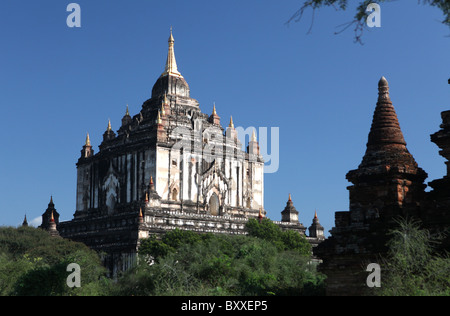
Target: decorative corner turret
[
  {"x": 289, "y": 214},
  {"x": 50, "y": 219},
  {"x": 161, "y": 134},
  {"x": 214, "y": 118},
  {"x": 126, "y": 119},
  {"x": 253, "y": 146},
  {"x": 166, "y": 105},
  {"x": 231, "y": 133},
  {"x": 109, "y": 134},
  {"x": 316, "y": 230},
  {"x": 152, "y": 197},
  {"x": 87, "y": 150}
]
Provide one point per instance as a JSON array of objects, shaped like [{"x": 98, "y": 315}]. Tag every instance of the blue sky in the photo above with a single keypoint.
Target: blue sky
[{"x": 320, "y": 89}]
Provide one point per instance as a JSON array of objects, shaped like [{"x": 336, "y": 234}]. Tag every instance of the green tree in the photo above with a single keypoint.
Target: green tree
[
  {"x": 225, "y": 265},
  {"x": 283, "y": 240},
  {"x": 170, "y": 241},
  {"x": 34, "y": 263},
  {"x": 413, "y": 267}
]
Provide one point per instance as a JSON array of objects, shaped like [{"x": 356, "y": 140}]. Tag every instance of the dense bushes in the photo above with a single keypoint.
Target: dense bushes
[
  {"x": 415, "y": 264},
  {"x": 34, "y": 263},
  {"x": 267, "y": 262},
  {"x": 223, "y": 265}
]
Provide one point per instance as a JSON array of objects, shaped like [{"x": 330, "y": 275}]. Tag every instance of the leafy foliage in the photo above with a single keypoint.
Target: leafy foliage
[
  {"x": 267, "y": 262},
  {"x": 413, "y": 267},
  {"x": 34, "y": 263},
  {"x": 283, "y": 240},
  {"x": 223, "y": 265}
]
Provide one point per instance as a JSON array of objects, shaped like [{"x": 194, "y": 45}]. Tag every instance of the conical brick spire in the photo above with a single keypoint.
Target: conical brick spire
[
  {"x": 386, "y": 146},
  {"x": 388, "y": 172},
  {"x": 385, "y": 126}
]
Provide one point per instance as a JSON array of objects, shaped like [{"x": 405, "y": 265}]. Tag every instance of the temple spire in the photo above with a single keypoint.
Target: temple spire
[
  {"x": 171, "y": 63},
  {"x": 25, "y": 222},
  {"x": 289, "y": 214},
  {"x": 387, "y": 165},
  {"x": 385, "y": 128},
  {"x": 214, "y": 118},
  {"x": 254, "y": 139},
  {"x": 316, "y": 230},
  {"x": 87, "y": 150},
  {"x": 231, "y": 122},
  {"x": 53, "y": 231}
]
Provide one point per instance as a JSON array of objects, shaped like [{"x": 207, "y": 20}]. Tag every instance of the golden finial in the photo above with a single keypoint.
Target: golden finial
[
  {"x": 165, "y": 101},
  {"x": 290, "y": 199},
  {"x": 231, "y": 122},
  {"x": 109, "y": 129},
  {"x": 127, "y": 113},
  {"x": 171, "y": 35},
  {"x": 171, "y": 64},
  {"x": 88, "y": 141},
  {"x": 163, "y": 112},
  {"x": 315, "y": 213}
]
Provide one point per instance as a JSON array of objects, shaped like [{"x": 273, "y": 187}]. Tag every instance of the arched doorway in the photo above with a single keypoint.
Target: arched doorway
[
  {"x": 111, "y": 203},
  {"x": 214, "y": 204},
  {"x": 174, "y": 195}
]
